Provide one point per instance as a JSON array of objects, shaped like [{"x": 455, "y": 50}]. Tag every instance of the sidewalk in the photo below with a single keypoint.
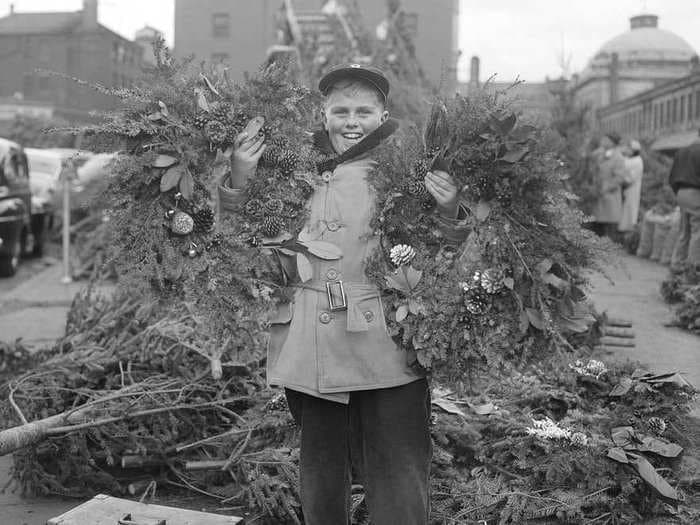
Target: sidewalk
[
  {"x": 35, "y": 311},
  {"x": 635, "y": 296}
]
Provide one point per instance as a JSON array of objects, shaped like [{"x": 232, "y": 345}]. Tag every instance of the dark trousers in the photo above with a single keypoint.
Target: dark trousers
[{"x": 383, "y": 435}]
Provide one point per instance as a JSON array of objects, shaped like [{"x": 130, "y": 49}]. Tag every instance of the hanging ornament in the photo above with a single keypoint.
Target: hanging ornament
[
  {"x": 192, "y": 252},
  {"x": 182, "y": 223},
  {"x": 169, "y": 214}
]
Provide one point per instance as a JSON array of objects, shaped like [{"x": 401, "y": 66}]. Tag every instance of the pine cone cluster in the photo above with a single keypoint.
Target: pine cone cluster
[
  {"x": 416, "y": 188},
  {"x": 222, "y": 111},
  {"x": 420, "y": 169},
  {"x": 203, "y": 219},
  {"x": 476, "y": 300},
  {"x": 272, "y": 225},
  {"x": 216, "y": 132},
  {"x": 287, "y": 162},
  {"x": 274, "y": 207},
  {"x": 201, "y": 119},
  {"x": 402, "y": 255},
  {"x": 254, "y": 208}
]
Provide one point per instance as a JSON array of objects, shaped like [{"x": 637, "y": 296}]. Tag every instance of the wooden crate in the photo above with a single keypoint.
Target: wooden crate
[{"x": 106, "y": 510}]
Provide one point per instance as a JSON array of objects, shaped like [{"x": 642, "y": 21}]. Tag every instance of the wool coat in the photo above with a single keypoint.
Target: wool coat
[
  {"x": 611, "y": 177},
  {"x": 331, "y": 353}
]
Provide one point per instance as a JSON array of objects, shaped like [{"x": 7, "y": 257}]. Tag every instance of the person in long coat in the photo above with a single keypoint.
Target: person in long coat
[
  {"x": 632, "y": 188},
  {"x": 610, "y": 179}
]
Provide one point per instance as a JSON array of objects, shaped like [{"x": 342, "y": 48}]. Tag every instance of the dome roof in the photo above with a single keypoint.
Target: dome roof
[{"x": 645, "y": 41}]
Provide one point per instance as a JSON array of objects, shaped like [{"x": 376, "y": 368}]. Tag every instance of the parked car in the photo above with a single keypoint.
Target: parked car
[{"x": 19, "y": 221}]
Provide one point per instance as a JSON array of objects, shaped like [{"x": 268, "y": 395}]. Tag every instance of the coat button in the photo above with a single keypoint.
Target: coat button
[
  {"x": 369, "y": 316},
  {"x": 333, "y": 226},
  {"x": 324, "y": 317},
  {"x": 326, "y": 176},
  {"x": 332, "y": 274}
]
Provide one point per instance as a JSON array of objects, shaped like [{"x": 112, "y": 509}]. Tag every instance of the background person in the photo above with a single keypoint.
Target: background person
[
  {"x": 607, "y": 210},
  {"x": 685, "y": 183},
  {"x": 631, "y": 187}
]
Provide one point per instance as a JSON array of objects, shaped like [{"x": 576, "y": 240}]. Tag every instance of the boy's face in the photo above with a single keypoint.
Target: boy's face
[{"x": 350, "y": 114}]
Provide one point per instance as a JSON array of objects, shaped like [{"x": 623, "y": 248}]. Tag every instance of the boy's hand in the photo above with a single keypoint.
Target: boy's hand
[
  {"x": 442, "y": 186},
  {"x": 245, "y": 157}
]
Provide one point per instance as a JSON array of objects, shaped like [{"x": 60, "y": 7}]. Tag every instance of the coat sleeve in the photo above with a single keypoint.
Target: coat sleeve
[{"x": 230, "y": 198}]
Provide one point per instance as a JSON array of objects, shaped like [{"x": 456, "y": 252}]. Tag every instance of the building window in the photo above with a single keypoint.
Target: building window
[
  {"x": 662, "y": 122},
  {"x": 668, "y": 112},
  {"x": 682, "y": 110},
  {"x": 675, "y": 110},
  {"x": 220, "y": 25},
  {"x": 43, "y": 84},
  {"x": 689, "y": 114},
  {"x": 115, "y": 79},
  {"x": 697, "y": 104}
]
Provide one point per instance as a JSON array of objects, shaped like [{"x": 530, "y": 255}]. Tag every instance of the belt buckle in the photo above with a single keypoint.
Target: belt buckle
[{"x": 336, "y": 296}]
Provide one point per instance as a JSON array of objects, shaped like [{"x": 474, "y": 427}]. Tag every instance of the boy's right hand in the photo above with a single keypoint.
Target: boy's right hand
[{"x": 246, "y": 154}]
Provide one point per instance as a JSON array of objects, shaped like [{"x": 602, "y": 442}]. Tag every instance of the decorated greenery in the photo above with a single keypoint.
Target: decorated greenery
[{"x": 515, "y": 285}]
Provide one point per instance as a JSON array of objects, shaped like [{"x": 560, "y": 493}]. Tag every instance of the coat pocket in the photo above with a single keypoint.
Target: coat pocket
[{"x": 365, "y": 309}]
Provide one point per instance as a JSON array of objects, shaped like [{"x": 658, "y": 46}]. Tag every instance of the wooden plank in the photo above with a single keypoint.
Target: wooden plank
[
  {"x": 616, "y": 321},
  {"x": 616, "y": 341},
  {"x": 618, "y": 332},
  {"x": 106, "y": 510}
]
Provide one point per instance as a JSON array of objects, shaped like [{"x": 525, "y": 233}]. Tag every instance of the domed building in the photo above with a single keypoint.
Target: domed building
[{"x": 635, "y": 61}]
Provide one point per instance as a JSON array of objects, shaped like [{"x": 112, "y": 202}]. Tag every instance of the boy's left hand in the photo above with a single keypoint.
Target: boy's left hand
[{"x": 442, "y": 186}]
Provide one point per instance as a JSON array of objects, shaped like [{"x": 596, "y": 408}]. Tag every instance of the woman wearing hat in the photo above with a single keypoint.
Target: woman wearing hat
[
  {"x": 611, "y": 176},
  {"x": 632, "y": 187}
]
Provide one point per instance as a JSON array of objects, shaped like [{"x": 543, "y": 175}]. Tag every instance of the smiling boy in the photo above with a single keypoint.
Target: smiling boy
[{"x": 359, "y": 405}]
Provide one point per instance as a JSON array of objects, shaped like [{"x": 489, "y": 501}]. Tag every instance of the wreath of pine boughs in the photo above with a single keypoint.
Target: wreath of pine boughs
[{"x": 515, "y": 284}]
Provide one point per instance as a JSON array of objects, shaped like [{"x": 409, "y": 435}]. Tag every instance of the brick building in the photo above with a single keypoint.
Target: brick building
[
  {"x": 240, "y": 32},
  {"x": 72, "y": 43}
]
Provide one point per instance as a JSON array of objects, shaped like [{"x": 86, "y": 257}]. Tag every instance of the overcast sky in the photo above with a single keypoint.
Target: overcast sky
[{"x": 524, "y": 38}]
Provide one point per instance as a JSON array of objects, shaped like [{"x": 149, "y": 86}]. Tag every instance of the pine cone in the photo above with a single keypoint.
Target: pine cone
[
  {"x": 222, "y": 111},
  {"x": 216, "y": 132},
  {"x": 254, "y": 208},
  {"x": 402, "y": 255},
  {"x": 200, "y": 119},
  {"x": 203, "y": 219},
  {"x": 579, "y": 439},
  {"x": 274, "y": 207},
  {"x": 416, "y": 188},
  {"x": 240, "y": 120},
  {"x": 656, "y": 425},
  {"x": 277, "y": 404},
  {"x": 420, "y": 169},
  {"x": 272, "y": 225},
  {"x": 287, "y": 163},
  {"x": 182, "y": 223},
  {"x": 476, "y": 301},
  {"x": 270, "y": 157}
]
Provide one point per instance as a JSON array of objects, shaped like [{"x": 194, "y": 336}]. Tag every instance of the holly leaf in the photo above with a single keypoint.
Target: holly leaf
[
  {"x": 649, "y": 474},
  {"x": 483, "y": 410},
  {"x": 508, "y": 282},
  {"x": 448, "y": 406},
  {"x": 171, "y": 178},
  {"x": 544, "y": 266},
  {"x": 155, "y": 116},
  {"x": 535, "y": 318},
  {"x": 322, "y": 249},
  {"x": 624, "y": 437},
  {"x": 304, "y": 268},
  {"x": 524, "y": 321},
  {"x": 559, "y": 284},
  {"x": 618, "y": 454},
  {"x": 187, "y": 185},
  {"x": 163, "y": 161},
  {"x": 662, "y": 448},
  {"x": 514, "y": 155},
  {"x": 622, "y": 388},
  {"x": 163, "y": 108},
  {"x": 401, "y": 313}
]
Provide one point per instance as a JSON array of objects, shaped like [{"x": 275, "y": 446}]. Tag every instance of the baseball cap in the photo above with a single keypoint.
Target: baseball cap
[
  {"x": 635, "y": 145},
  {"x": 370, "y": 74}
]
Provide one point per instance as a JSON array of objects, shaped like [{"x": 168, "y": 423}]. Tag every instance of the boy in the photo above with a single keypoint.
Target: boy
[{"x": 359, "y": 405}]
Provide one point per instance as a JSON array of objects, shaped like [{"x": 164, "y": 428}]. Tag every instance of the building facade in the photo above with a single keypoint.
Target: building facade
[
  {"x": 69, "y": 43},
  {"x": 638, "y": 60},
  {"x": 240, "y": 33},
  {"x": 668, "y": 115}
]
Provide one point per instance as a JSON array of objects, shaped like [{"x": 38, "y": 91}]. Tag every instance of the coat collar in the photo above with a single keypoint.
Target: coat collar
[{"x": 323, "y": 143}]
